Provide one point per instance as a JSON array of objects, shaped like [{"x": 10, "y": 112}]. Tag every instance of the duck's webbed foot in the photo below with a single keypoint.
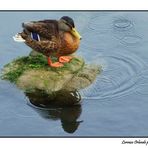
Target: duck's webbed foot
[
  {"x": 65, "y": 59},
  {"x": 56, "y": 64}
]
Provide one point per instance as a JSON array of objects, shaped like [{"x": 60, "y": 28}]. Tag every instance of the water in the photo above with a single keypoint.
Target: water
[{"x": 114, "y": 105}]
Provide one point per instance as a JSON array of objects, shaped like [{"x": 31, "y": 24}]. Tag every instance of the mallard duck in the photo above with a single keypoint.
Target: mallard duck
[{"x": 53, "y": 38}]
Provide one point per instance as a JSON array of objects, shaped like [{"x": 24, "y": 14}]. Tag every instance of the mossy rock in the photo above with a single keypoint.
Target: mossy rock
[{"x": 32, "y": 74}]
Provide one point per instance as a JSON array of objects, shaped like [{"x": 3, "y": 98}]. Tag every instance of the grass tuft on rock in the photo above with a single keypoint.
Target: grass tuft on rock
[{"x": 17, "y": 67}]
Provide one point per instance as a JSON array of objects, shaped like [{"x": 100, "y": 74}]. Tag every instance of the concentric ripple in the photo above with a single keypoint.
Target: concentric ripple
[
  {"x": 131, "y": 39},
  {"x": 142, "y": 87},
  {"x": 122, "y": 27},
  {"x": 100, "y": 23},
  {"x": 122, "y": 24},
  {"x": 119, "y": 78}
]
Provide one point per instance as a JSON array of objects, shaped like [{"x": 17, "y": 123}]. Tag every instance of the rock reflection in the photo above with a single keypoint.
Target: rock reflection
[
  {"x": 52, "y": 110},
  {"x": 59, "y": 98}
]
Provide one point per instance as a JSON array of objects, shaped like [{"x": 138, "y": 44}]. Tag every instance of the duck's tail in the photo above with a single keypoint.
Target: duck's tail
[{"x": 18, "y": 38}]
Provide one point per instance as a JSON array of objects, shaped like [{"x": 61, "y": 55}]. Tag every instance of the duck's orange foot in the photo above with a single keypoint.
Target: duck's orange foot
[
  {"x": 65, "y": 59},
  {"x": 56, "y": 64}
]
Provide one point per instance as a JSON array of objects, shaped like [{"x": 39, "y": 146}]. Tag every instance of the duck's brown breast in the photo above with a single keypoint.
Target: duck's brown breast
[{"x": 69, "y": 44}]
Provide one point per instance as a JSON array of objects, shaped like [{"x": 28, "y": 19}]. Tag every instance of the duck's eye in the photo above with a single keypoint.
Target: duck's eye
[{"x": 68, "y": 25}]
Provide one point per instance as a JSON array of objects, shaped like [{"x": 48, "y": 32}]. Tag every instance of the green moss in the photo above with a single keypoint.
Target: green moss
[
  {"x": 22, "y": 64},
  {"x": 13, "y": 75},
  {"x": 17, "y": 67}
]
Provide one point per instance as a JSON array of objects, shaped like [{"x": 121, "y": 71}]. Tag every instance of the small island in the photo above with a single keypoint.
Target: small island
[{"x": 55, "y": 86}]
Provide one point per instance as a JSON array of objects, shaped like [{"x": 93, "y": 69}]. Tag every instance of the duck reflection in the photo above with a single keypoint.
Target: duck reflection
[{"x": 67, "y": 114}]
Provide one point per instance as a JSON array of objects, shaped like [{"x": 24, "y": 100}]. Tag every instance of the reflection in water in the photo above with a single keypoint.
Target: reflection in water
[
  {"x": 67, "y": 115},
  {"x": 59, "y": 98},
  {"x": 50, "y": 110}
]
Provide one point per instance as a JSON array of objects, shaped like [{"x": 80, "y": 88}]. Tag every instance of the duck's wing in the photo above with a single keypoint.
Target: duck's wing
[
  {"x": 46, "y": 47},
  {"x": 45, "y": 28},
  {"x": 48, "y": 33}
]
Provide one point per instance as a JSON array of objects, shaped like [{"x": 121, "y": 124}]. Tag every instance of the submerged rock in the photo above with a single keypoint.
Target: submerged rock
[{"x": 33, "y": 75}]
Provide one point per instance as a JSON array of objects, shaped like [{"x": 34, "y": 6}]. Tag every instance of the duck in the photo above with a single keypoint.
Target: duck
[{"x": 52, "y": 38}]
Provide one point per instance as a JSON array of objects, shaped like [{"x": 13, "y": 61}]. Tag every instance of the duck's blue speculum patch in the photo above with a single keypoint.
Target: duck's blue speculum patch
[{"x": 35, "y": 36}]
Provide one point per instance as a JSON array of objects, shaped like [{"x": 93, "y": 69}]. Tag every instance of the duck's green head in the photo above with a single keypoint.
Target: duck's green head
[{"x": 66, "y": 23}]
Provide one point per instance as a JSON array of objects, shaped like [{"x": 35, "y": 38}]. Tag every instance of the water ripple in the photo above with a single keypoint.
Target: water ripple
[
  {"x": 142, "y": 87},
  {"x": 122, "y": 24},
  {"x": 122, "y": 27},
  {"x": 131, "y": 39},
  {"x": 100, "y": 23},
  {"x": 119, "y": 78}
]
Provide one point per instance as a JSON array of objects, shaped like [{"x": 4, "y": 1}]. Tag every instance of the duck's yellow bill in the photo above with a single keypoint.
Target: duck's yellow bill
[{"x": 76, "y": 34}]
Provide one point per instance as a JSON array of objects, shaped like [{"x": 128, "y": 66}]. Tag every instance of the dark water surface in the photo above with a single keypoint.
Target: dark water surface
[{"x": 116, "y": 104}]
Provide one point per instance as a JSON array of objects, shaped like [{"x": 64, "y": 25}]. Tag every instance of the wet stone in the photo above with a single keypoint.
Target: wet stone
[{"x": 50, "y": 86}]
